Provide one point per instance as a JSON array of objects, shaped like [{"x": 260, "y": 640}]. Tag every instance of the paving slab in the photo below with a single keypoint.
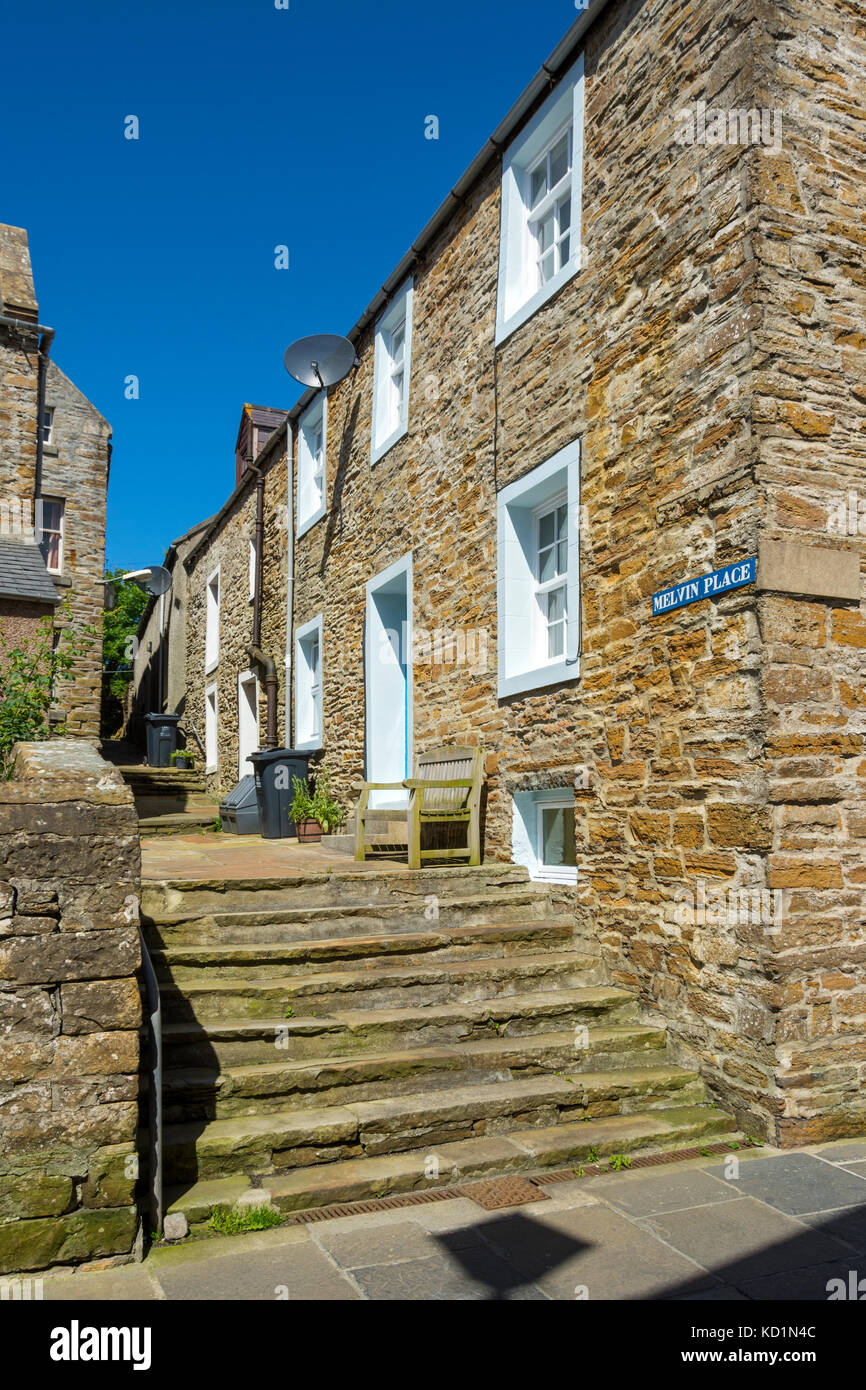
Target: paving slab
[
  {"x": 799, "y": 1285},
  {"x": 207, "y": 855},
  {"x": 796, "y": 1183},
  {"x": 375, "y": 1245},
  {"x": 592, "y": 1248},
  {"x": 744, "y": 1240},
  {"x": 648, "y": 1194},
  {"x": 129, "y": 1282},
  {"x": 293, "y": 1273},
  {"x": 847, "y": 1226},
  {"x": 463, "y": 1274},
  {"x": 842, "y": 1150}
]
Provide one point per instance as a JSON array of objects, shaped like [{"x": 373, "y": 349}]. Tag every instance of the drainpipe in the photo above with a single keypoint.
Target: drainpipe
[
  {"x": 47, "y": 338},
  {"x": 255, "y": 652}
]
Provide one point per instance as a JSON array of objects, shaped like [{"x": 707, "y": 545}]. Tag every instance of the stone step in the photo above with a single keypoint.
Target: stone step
[
  {"x": 204, "y": 1093},
  {"x": 521, "y": 1151},
  {"x": 297, "y": 922},
  {"x": 177, "y": 823},
  {"x": 178, "y": 964},
  {"x": 416, "y": 890},
  {"x": 348, "y": 1032},
  {"x": 268, "y": 1143},
  {"x": 384, "y": 987}
]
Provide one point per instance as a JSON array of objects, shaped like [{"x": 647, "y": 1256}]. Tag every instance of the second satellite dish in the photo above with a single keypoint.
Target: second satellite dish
[{"x": 321, "y": 360}]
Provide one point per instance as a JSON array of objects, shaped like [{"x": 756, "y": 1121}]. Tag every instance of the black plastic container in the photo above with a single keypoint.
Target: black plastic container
[
  {"x": 161, "y": 735},
  {"x": 275, "y": 768}
]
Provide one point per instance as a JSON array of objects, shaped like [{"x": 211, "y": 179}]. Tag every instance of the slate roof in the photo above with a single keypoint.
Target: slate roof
[{"x": 22, "y": 572}]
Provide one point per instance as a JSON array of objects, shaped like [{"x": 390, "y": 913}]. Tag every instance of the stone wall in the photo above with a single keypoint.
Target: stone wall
[
  {"x": 69, "y": 1009},
  {"x": 227, "y": 545},
  {"x": 75, "y": 468},
  {"x": 809, "y": 412},
  {"x": 18, "y": 374},
  {"x": 653, "y": 357}
]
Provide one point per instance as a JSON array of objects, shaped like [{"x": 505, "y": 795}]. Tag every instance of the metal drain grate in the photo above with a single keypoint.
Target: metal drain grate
[
  {"x": 504, "y": 1192},
  {"x": 639, "y": 1161},
  {"x": 495, "y": 1193}
]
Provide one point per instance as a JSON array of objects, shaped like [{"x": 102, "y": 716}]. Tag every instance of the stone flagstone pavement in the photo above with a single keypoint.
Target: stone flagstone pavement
[{"x": 791, "y": 1222}]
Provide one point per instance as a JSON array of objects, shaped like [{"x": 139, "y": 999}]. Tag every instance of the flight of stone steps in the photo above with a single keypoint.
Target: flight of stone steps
[
  {"x": 349, "y": 1035},
  {"x": 169, "y": 801}
]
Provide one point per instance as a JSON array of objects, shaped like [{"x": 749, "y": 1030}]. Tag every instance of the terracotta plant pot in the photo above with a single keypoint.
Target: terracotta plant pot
[{"x": 309, "y": 832}]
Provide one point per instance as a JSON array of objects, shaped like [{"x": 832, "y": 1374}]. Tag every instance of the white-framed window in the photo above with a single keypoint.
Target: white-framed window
[
  {"x": 46, "y": 426},
  {"x": 212, "y": 622},
  {"x": 211, "y": 742},
  {"x": 253, "y": 562},
  {"x": 312, "y": 447},
  {"x": 391, "y": 373},
  {"x": 50, "y": 515},
  {"x": 308, "y": 684},
  {"x": 538, "y": 576},
  {"x": 539, "y": 247},
  {"x": 543, "y": 834}
]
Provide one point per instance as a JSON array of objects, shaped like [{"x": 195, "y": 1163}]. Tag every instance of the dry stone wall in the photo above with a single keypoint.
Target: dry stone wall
[{"x": 70, "y": 1009}]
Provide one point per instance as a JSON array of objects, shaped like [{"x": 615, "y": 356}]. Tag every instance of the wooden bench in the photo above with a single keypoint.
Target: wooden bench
[{"x": 446, "y": 790}]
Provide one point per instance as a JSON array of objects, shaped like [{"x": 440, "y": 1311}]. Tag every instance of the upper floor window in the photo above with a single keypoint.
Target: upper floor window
[
  {"x": 312, "y": 445},
  {"x": 541, "y": 206},
  {"x": 254, "y": 551},
  {"x": 212, "y": 622},
  {"x": 538, "y": 576},
  {"x": 50, "y": 527},
  {"x": 392, "y": 360},
  {"x": 47, "y": 424}
]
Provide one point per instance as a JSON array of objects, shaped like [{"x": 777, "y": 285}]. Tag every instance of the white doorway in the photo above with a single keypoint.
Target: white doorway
[
  {"x": 388, "y": 681},
  {"x": 248, "y": 721}
]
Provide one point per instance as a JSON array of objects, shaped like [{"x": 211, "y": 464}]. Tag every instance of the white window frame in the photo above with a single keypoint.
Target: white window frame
[
  {"x": 314, "y": 417},
  {"x": 522, "y": 661},
  {"x": 47, "y": 438},
  {"x": 389, "y": 425},
  {"x": 308, "y": 696},
  {"x": 248, "y": 677},
  {"x": 543, "y": 588},
  {"x": 253, "y": 560},
  {"x": 211, "y": 728},
  {"x": 527, "y": 840},
  {"x": 519, "y": 295},
  {"x": 212, "y": 622},
  {"x": 40, "y": 504}
]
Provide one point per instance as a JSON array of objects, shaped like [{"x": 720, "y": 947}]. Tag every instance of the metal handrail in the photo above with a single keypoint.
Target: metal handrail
[{"x": 154, "y": 1088}]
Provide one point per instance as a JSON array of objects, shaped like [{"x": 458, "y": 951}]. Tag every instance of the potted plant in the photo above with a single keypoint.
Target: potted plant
[
  {"x": 302, "y": 812},
  {"x": 325, "y": 809},
  {"x": 183, "y": 760}
]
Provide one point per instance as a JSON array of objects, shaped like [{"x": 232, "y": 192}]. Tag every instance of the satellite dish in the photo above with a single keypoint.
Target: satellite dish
[
  {"x": 158, "y": 583},
  {"x": 322, "y": 360}
]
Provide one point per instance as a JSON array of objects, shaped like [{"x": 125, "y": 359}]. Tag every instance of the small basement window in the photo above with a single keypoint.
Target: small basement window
[{"x": 543, "y": 834}]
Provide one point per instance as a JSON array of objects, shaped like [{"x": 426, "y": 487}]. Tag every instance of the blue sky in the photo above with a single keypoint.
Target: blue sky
[{"x": 259, "y": 127}]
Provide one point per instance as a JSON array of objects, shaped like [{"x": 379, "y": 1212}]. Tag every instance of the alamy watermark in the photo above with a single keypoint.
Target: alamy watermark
[
  {"x": 714, "y": 125},
  {"x": 709, "y": 906}
]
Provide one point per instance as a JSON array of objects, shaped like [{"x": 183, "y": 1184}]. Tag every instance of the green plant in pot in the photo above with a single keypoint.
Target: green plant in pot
[
  {"x": 303, "y": 812},
  {"x": 183, "y": 760},
  {"x": 315, "y": 812}
]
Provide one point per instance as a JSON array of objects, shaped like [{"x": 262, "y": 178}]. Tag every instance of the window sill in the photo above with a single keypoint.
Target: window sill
[
  {"x": 50, "y": 451},
  {"x": 211, "y": 666},
  {"x": 211, "y": 768},
  {"x": 307, "y": 525},
  {"x": 379, "y": 451},
  {"x": 60, "y": 579},
  {"x": 309, "y": 745},
  {"x": 524, "y": 682},
  {"x": 506, "y": 326},
  {"x": 566, "y": 876}
]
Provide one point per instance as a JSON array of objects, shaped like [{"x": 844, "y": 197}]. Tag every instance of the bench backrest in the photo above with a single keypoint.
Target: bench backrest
[{"x": 443, "y": 765}]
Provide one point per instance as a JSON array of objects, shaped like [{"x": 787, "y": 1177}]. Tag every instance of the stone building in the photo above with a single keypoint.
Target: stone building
[
  {"x": 55, "y": 453},
  {"x": 626, "y": 353}
]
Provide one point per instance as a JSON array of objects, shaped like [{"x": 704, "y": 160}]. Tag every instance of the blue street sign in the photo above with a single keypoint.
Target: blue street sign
[{"x": 707, "y": 586}]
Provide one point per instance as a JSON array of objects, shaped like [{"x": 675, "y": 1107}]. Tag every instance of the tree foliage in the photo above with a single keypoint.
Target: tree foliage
[
  {"x": 118, "y": 648},
  {"x": 29, "y": 676}
]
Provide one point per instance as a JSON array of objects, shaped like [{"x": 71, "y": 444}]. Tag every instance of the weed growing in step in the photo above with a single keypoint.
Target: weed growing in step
[
  {"x": 593, "y": 1156},
  {"x": 619, "y": 1161},
  {"x": 290, "y": 1013},
  {"x": 230, "y": 1221}
]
